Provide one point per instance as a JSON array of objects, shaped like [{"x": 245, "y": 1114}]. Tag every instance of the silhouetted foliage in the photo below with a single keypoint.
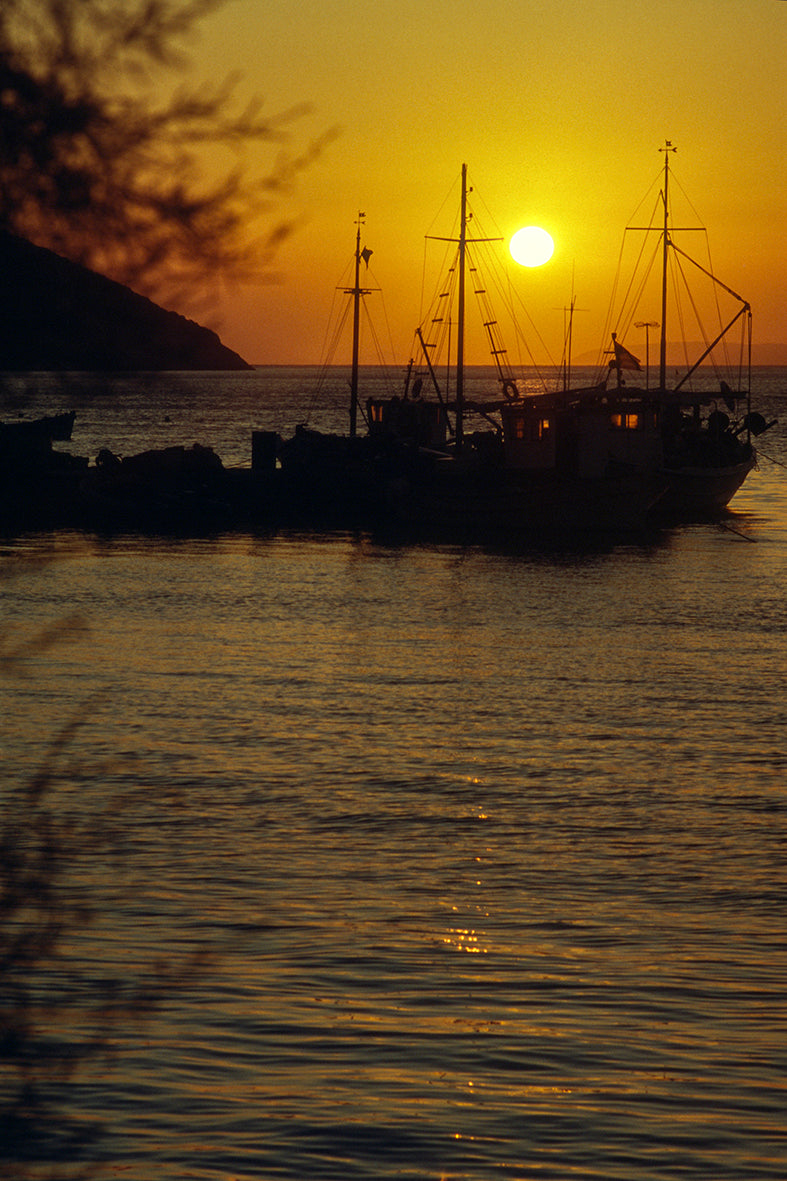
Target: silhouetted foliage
[
  {"x": 37, "y": 838},
  {"x": 61, "y": 1009},
  {"x": 97, "y": 166}
]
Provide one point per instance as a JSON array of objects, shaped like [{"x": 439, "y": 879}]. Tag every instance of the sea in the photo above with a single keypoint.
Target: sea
[{"x": 390, "y": 860}]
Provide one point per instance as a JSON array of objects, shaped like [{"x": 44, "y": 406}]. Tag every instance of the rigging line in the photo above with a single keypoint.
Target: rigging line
[
  {"x": 439, "y": 311},
  {"x": 771, "y": 459},
  {"x": 645, "y": 238},
  {"x": 445, "y": 280},
  {"x": 615, "y": 308},
  {"x": 674, "y": 181},
  {"x": 678, "y": 302},
  {"x": 328, "y": 358},
  {"x": 654, "y": 184},
  {"x": 709, "y": 349},
  {"x": 716, "y": 300},
  {"x": 328, "y": 325},
  {"x": 448, "y": 196},
  {"x": 423, "y": 285},
  {"x": 609, "y": 318},
  {"x": 426, "y": 307},
  {"x": 483, "y": 272},
  {"x": 635, "y": 294},
  {"x": 508, "y": 297},
  {"x": 488, "y": 213},
  {"x": 369, "y": 324},
  {"x": 328, "y": 350},
  {"x": 632, "y": 302},
  {"x": 386, "y": 377},
  {"x": 741, "y": 362},
  {"x": 709, "y": 274},
  {"x": 521, "y": 338},
  {"x": 392, "y": 351},
  {"x": 473, "y": 215},
  {"x": 701, "y": 326},
  {"x": 679, "y": 274},
  {"x": 737, "y": 532}
]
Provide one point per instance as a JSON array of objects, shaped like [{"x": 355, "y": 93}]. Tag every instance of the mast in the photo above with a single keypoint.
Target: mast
[
  {"x": 665, "y": 245},
  {"x": 356, "y": 293},
  {"x": 463, "y": 241},
  {"x": 568, "y": 329},
  {"x": 460, "y": 336}
]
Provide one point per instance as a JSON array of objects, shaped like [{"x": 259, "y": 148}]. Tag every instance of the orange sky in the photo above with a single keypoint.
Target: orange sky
[{"x": 559, "y": 111}]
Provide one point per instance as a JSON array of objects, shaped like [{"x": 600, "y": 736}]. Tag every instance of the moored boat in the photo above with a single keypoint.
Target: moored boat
[
  {"x": 508, "y": 465},
  {"x": 38, "y": 484},
  {"x": 52, "y": 427},
  {"x": 706, "y": 431}
]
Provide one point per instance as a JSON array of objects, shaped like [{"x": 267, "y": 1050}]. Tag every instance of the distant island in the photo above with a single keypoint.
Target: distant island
[
  {"x": 767, "y": 353},
  {"x": 57, "y": 315}
]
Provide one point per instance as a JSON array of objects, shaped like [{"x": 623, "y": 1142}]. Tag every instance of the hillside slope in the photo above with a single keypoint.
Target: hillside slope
[{"x": 55, "y": 315}]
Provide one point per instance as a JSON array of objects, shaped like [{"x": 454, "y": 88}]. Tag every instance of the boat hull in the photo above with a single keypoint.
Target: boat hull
[
  {"x": 697, "y": 493},
  {"x": 380, "y": 481},
  {"x": 54, "y": 427},
  {"x": 517, "y": 505}
]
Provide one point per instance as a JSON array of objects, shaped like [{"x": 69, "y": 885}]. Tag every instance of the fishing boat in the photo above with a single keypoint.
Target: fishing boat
[
  {"x": 704, "y": 417},
  {"x": 508, "y": 464},
  {"x": 52, "y": 427},
  {"x": 38, "y": 484}
]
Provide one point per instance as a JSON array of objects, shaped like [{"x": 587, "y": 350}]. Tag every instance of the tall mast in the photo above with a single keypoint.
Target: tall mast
[
  {"x": 463, "y": 240},
  {"x": 356, "y": 293},
  {"x": 460, "y": 336},
  {"x": 665, "y": 245},
  {"x": 568, "y": 330}
]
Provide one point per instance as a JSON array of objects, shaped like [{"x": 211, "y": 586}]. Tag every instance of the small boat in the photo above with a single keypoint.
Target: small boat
[
  {"x": 38, "y": 484},
  {"x": 53, "y": 427},
  {"x": 706, "y": 431},
  {"x": 26, "y": 445},
  {"x": 508, "y": 465}
]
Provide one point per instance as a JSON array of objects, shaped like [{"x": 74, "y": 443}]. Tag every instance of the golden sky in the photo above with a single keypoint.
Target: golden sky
[{"x": 559, "y": 109}]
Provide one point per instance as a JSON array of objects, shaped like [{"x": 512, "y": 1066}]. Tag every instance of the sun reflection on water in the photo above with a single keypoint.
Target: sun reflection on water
[{"x": 464, "y": 939}]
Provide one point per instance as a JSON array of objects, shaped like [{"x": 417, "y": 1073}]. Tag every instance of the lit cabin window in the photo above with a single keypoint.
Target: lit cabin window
[
  {"x": 530, "y": 430},
  {"x": 625, "y": 421}
]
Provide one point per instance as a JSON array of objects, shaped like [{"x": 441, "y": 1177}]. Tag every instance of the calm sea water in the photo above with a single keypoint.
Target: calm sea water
[{"x": 488, "y": 850}]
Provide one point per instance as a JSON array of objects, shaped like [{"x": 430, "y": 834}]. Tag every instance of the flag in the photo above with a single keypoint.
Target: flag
[
  {"x": 366, "y": 254},
  {"x": 624, "y": 359}
]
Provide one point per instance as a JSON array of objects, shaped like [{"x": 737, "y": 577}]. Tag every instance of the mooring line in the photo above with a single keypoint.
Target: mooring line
[
  {"x": 765, "y": 455},
  {"x": 730, "y": 529}
]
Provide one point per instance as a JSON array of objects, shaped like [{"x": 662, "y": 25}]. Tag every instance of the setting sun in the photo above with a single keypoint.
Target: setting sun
[{"x": 531, "y": 246}]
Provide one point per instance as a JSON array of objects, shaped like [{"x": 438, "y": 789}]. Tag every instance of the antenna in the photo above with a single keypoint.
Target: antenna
[{"x": 647, "y": 325}]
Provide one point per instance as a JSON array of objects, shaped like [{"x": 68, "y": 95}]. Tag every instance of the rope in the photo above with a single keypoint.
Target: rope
[
  {"x": 765, "y": 455},
  {"x": 737, "y": 532}
]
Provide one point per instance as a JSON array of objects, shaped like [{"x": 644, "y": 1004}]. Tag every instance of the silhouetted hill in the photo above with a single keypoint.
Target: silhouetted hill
[{"x": 55, "y": 315}]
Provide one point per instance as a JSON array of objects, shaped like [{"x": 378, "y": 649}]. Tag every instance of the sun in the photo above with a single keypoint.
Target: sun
[{"x": 531, "y": 246}]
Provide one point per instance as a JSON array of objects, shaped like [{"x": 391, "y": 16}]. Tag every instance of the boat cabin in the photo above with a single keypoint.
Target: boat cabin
[
  {"x": 418, "y": 421},
  {"x": 581, "y": 437}
]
